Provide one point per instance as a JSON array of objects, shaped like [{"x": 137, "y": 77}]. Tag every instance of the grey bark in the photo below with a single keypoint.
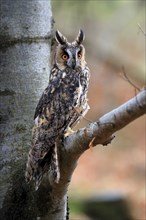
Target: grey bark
[{"x": 24, "y": 53}]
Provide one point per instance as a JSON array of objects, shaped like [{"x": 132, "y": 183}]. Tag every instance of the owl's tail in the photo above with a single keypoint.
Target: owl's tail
[
  {"x": 36, "y": 167},
  {"x": 54, "y": 171}
]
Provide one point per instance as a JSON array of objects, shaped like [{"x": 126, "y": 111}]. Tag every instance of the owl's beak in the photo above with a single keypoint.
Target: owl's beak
[
  {"x": 74, "y": 64},
  {"x": 71, "y": 63}
]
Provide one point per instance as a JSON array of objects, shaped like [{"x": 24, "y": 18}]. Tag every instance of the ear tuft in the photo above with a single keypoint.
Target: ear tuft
[
  {"x": 60, "y": 38},
  {"x": 80, "y": 37}
]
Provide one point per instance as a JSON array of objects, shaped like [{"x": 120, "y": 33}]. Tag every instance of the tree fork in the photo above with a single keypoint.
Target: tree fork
[{"x": 100, "y": 132}]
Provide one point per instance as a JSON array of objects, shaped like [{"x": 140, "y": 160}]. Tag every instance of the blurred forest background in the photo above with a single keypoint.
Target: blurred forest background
[{"x": 113, "y": 39}]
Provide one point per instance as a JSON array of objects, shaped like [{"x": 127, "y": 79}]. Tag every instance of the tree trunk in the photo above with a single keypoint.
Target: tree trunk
[{"x": 24, "y": 54}]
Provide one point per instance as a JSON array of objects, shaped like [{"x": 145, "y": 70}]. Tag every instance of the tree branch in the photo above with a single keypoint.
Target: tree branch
[{"x": 102, "y": 131}]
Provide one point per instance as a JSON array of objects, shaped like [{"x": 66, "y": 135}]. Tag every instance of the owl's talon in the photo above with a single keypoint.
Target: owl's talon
[
  {"x": 68, "y": 132},
  {"x": 91, "y": 145}
]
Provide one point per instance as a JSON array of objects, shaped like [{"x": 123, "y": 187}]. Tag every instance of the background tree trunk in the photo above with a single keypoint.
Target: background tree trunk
[{"x": 24, "y": 54}]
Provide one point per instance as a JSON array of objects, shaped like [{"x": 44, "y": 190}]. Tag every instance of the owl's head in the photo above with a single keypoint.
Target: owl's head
[{"x": 71, "y": 55}]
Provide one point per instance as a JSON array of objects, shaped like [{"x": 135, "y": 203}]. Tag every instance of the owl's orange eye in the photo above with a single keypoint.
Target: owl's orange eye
[
  {"x": 79, "y": 55},
  {"x": 65, "y": 57}
]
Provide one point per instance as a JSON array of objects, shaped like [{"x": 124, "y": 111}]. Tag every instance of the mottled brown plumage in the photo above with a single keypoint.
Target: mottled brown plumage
[{"x": 61, "y": 106}]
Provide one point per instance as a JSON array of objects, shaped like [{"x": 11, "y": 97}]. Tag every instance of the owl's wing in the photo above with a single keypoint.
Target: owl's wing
[
  {"x": 47, "y": 96},
  {"x": 43, "y": 154}
]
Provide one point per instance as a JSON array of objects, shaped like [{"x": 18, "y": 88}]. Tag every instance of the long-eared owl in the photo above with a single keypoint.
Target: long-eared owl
[{"x": 61, "y": 106}]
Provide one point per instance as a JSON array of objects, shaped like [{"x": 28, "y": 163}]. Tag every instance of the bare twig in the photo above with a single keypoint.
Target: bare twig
[
  {"x": 86, "y": 119},
  {"x": 125, "y": 77},
  {"x": 141, "y": 30}
]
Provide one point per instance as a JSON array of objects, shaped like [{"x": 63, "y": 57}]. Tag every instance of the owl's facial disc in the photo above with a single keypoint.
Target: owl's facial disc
[{"x": 71, "y": 56}]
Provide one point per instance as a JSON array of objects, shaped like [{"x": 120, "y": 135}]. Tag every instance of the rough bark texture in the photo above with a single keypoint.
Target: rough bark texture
[{"x": 24, "y": 54}]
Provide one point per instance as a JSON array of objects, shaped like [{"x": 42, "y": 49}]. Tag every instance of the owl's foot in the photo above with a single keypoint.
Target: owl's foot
[
  {"x": 91, "y": 145},
  {"x": 68, "y": 132}
]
